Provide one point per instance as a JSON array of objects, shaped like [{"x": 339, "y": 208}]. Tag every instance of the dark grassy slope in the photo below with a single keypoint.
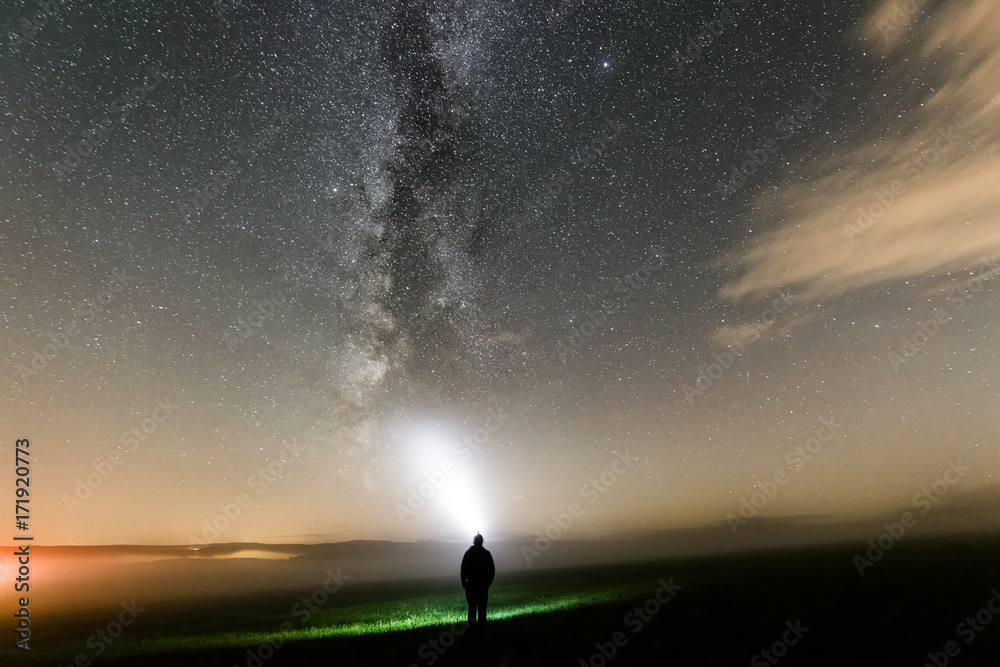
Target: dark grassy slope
[{"x": 729, "y": 608}]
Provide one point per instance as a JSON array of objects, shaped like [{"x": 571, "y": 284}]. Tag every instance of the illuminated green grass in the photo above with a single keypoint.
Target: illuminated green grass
[
  {"x": 370, "y": 619},
  {"x": 394, "y": 615},
  {"x": 358, "y": 612}
]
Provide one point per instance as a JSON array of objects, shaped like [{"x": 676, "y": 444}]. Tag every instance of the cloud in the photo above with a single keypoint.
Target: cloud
[
  {"x": 745, "y": 334},
  {"x": 845, "y": 227}
]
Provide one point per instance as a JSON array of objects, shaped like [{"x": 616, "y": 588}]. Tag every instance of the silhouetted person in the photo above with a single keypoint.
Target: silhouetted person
[{"x": 477, "y": 575}]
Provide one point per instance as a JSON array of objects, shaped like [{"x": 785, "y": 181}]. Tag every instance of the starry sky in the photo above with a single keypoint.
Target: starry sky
[{"x": 413, "y": 269}]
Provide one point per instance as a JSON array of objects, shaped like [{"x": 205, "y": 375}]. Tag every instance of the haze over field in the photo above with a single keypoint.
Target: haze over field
[
  {"x": 70, "y": 582},
  {"x": 324, "y": 272}
]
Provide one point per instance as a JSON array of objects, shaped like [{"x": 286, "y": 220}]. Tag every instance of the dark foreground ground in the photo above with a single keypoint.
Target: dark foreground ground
[{"x": 728, "y": 610}]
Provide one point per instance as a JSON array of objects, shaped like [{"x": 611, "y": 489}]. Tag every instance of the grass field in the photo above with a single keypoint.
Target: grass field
[{"x": 728, "y": 609}]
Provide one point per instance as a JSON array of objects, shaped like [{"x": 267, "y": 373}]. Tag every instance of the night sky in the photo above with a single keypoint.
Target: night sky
[{"x": 311, "y": 260}]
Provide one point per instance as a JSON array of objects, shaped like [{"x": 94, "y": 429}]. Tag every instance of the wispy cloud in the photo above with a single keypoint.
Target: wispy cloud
[
  {"x": 744, "y": 334},
  {"x": 941, "y": 152}
]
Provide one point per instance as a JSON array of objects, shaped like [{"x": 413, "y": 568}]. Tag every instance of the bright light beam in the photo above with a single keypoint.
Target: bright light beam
[{"x": 462, "y": 504}]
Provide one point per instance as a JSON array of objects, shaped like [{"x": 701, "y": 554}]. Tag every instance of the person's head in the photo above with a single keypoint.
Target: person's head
[{"x": 478, "y": 540}]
